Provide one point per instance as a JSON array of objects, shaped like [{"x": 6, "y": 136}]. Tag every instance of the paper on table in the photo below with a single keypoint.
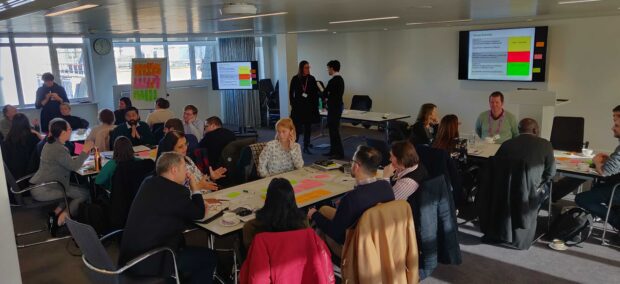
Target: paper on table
[
  {"x": 140, "y": 148},
  {"x": 307, "y": 184},
  {"x": 78, "y": 148},
  {"x": 310, "y": 196}
]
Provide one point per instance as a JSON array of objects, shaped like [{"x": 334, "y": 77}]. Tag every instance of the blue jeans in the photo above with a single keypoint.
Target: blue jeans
[{"x": 595, "y": 201}]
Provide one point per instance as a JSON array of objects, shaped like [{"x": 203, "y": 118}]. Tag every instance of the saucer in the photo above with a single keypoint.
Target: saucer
[{"x": 227, "y": 224}]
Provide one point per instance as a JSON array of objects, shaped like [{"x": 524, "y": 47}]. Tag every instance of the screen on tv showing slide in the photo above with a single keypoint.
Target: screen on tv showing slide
[
  {"x": 242, "y": 75},
  {"x": 503, "y": 55}
]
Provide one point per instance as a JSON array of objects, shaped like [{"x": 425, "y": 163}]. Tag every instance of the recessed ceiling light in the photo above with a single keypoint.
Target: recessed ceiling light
[
  {"x": 253, "y": 16},
  {"x": 233, "y": 31},
  {"x": 385, "y": 29},
  {"x": 307, "y": 31},
  {"x": 423, "y": 7},
  {"x": 364, "y": 20},
  {"x": 438, "y": 22},
  {"x": 71, "y": 10},
  {"x": 334, "y": 32},
  {"x": 576, "y": 2},
  {"x": 529, "y": 20}
]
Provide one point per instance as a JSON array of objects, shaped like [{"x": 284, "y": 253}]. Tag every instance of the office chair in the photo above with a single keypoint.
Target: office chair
[{"x": 567, "y": 133}]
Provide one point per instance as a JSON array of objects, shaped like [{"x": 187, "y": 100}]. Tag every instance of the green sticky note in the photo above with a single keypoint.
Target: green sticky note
[
  {"x": 264, "y": 190},
  {"x": 233, "y": 194}
]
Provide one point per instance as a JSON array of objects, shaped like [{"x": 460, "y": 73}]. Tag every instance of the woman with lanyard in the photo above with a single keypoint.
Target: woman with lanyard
[
  {"x": 304, "y": 98},
  {"x": 497, "y": 123}
]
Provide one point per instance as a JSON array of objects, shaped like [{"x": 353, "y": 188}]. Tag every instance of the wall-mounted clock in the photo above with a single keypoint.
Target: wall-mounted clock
[{"x": 102, "y": 46}]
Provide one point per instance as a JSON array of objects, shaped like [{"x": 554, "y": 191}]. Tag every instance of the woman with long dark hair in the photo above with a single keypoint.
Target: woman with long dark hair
[
  {"x": 56, "y": 165},
  {"x": 279, "y": 214},
  {"x": 123, "y": 104},
  {"x": 304, "y": 99},
  {"x": 447, "y": 132},
  {"x": 423, "y": 131},
  {"x": 123, "y": 151},
  {"x": 175, "y": 141},
  {"x": 19, "y": 148}
]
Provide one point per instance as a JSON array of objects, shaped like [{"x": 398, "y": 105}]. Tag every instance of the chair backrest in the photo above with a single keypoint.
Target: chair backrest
[
  {"x": 126, "y": 181},
  {"x": 359, "y": 102},
  {"x": 158, "y": 131},
  {"x": 567, "y": 133},
  {"x": 381, "y": 146},
  {"x": 382, "y": 248},
  {"x": 10, "y": 180},
  {"x": 398, "y": 130},
  {"x": 265, "y": 86},
  {"x": 248, "y": 161},
  {"x": 93, "y": 251},
  {"x": 230, "y": 157}
]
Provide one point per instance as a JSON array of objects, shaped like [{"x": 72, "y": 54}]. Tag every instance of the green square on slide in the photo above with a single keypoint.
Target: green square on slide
[
  {"x": 518, "y": 69},
  {"x": 245, "y": 83}
]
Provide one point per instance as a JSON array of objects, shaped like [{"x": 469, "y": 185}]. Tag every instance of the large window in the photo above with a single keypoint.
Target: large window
[
  {"x": 8, "y": 89},
  {"x": 204, "y": 55},
  {"x": 33, "y": 62},
  {"x": 33, "y": 56},
  {"x": 178, "y": 57},
  {"x": 122, "y": 58}
]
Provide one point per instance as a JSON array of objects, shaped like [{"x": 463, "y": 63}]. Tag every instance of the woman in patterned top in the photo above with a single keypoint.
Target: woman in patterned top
[
  {"x": 175, "y": 141},
  {"x": 282, "y": 154}
]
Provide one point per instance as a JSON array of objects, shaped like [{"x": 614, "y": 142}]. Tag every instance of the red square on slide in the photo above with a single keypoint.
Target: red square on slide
[
  {"x": 521, "y": 56},
  {"x": 244, "y": 76}
]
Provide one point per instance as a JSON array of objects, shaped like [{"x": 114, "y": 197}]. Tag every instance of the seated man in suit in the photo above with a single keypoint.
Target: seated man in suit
[
  {"x": 535, "y": 151},
  {"x": 158, "y": 216},
  {"x": 595, "y": 200},
  {"x": 215, "y": 139},
  {"x": 137, "y": 131},
  {"x": 368, "y": 192},
  {"x": 74, "y": 121}
]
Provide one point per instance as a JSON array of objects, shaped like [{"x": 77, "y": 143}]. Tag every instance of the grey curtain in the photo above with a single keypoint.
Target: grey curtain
[{"x": 239, "y": 107}]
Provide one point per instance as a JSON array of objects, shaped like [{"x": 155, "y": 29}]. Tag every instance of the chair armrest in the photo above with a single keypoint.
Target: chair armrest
[
  {"x": 110, "y": 235},
  {"x": 24, "y": 178},
  {"x": 135, "y": 261},
  {"x": 36, "y": 186}
]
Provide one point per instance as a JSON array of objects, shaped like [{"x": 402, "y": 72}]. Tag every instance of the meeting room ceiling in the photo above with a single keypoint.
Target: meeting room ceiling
[{"x": 120, "y": 17}]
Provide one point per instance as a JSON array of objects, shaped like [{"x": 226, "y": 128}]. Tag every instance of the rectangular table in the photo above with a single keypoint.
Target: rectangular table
[
  {"x": 365, "y": 116},
  {"x": 567, "y": 163},
  {"x": 311, "y": 186},
  {"x": 88, "y": 168}
]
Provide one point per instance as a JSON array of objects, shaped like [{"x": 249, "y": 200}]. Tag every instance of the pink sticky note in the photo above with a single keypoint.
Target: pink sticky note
[
  {"x": 144, "y": 154},
  {"x": 78, "y": 148},
  {"x": 538, "y": 56}
]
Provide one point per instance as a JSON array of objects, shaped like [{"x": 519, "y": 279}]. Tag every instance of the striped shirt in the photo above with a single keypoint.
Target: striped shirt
[{"x": 404, "y": 187}]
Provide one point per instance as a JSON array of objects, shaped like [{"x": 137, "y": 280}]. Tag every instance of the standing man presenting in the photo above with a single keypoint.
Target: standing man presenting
[
  {"x": 497, "y": 122},
  {"x": 334, "y": 93},
  {"x": 49, "y": 98}
]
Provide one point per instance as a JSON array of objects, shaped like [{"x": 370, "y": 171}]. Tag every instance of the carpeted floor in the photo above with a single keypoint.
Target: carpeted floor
[{"x": 482, "y": 263}]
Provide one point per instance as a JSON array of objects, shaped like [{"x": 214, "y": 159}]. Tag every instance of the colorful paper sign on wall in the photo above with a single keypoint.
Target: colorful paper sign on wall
[{"x": 148, "y": 80}]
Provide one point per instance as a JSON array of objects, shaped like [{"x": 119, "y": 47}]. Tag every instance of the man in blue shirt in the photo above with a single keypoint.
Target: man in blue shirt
[
  {"x": 49, "y": 98},
  {"x": 605, "y": 165}
]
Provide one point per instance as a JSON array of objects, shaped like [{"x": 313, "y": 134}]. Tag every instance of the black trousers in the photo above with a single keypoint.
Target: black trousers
[
  {"x": 196, "y": 264},
  {"x": 335, "y": 141},
  {"x": 307, "y": 130}
]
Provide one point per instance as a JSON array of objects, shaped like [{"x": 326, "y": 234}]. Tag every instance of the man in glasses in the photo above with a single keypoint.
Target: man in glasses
[{"x": 368, "y": 192}]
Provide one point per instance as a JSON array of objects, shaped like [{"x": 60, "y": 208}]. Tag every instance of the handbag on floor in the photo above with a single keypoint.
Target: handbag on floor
[{"x": 573, "y": 227}]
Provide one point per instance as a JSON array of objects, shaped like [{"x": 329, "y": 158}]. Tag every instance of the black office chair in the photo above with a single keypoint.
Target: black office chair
[
  {"x": 101, "y": 267},
  {"x": 363, "y": 103},
  {"x": 158, "y": 131},
  {"x": 230, "y": 158},
  {"x": 567, "y": 133},
  {"x": 31, "y": 203}
]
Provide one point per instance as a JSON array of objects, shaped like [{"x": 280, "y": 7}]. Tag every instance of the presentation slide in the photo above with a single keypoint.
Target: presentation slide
[
  {"x": 501, "y": 54},
  {"x": 235, "y": 75}
]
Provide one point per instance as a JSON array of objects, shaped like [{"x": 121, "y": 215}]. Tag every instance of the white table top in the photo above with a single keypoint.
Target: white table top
[
  {"x": 368, "y": 115},
  {"x": 311, "y": 186},
  {"x": 88, "y": 168},
  {"x": 567, "y": 162},
  {"x": 79, "y": 135}
]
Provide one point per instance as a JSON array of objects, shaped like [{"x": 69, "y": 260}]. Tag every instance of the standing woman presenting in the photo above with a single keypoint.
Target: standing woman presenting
[
  {"x": 49, "y": 98},
  {"x": 304, "y": 98}
]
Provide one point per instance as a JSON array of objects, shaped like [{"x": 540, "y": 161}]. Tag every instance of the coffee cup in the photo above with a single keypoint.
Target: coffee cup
[
  {"x": 587, "y": 152},
  {"x": 229, "y": 217},
  {"x": 583, "y": 167}
]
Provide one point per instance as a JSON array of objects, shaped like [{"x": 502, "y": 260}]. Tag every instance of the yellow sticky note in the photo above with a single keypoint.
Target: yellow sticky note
[{"x": 535, "y": 70}]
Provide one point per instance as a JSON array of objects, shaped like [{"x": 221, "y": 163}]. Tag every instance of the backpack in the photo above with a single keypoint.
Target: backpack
[
  {"x": 95, "y": 214},
  {"x": 573, "y": 227}
]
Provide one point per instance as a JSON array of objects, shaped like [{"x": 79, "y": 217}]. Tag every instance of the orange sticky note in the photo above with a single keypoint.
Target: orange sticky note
[{"x": 540, "y": 44}]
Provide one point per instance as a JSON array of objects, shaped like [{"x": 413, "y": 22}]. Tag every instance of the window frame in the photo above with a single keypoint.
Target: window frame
[{"x": 53, "y": 53}]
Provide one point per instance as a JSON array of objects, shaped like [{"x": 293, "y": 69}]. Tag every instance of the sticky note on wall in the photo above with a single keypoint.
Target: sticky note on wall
[
  {"x": 538, "y": 56},
  {"x": 540, "y": 44},
  {"x": 536, "y": 70}
]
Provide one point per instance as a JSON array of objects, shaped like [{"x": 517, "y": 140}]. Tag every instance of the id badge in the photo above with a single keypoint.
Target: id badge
[{"x": 304, "y": 95}]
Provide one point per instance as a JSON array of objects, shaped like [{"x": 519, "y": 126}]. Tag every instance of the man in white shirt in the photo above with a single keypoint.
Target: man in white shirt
[
  {"x": 191, "y": 123},
  {"x": 161, "y": 114}
]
